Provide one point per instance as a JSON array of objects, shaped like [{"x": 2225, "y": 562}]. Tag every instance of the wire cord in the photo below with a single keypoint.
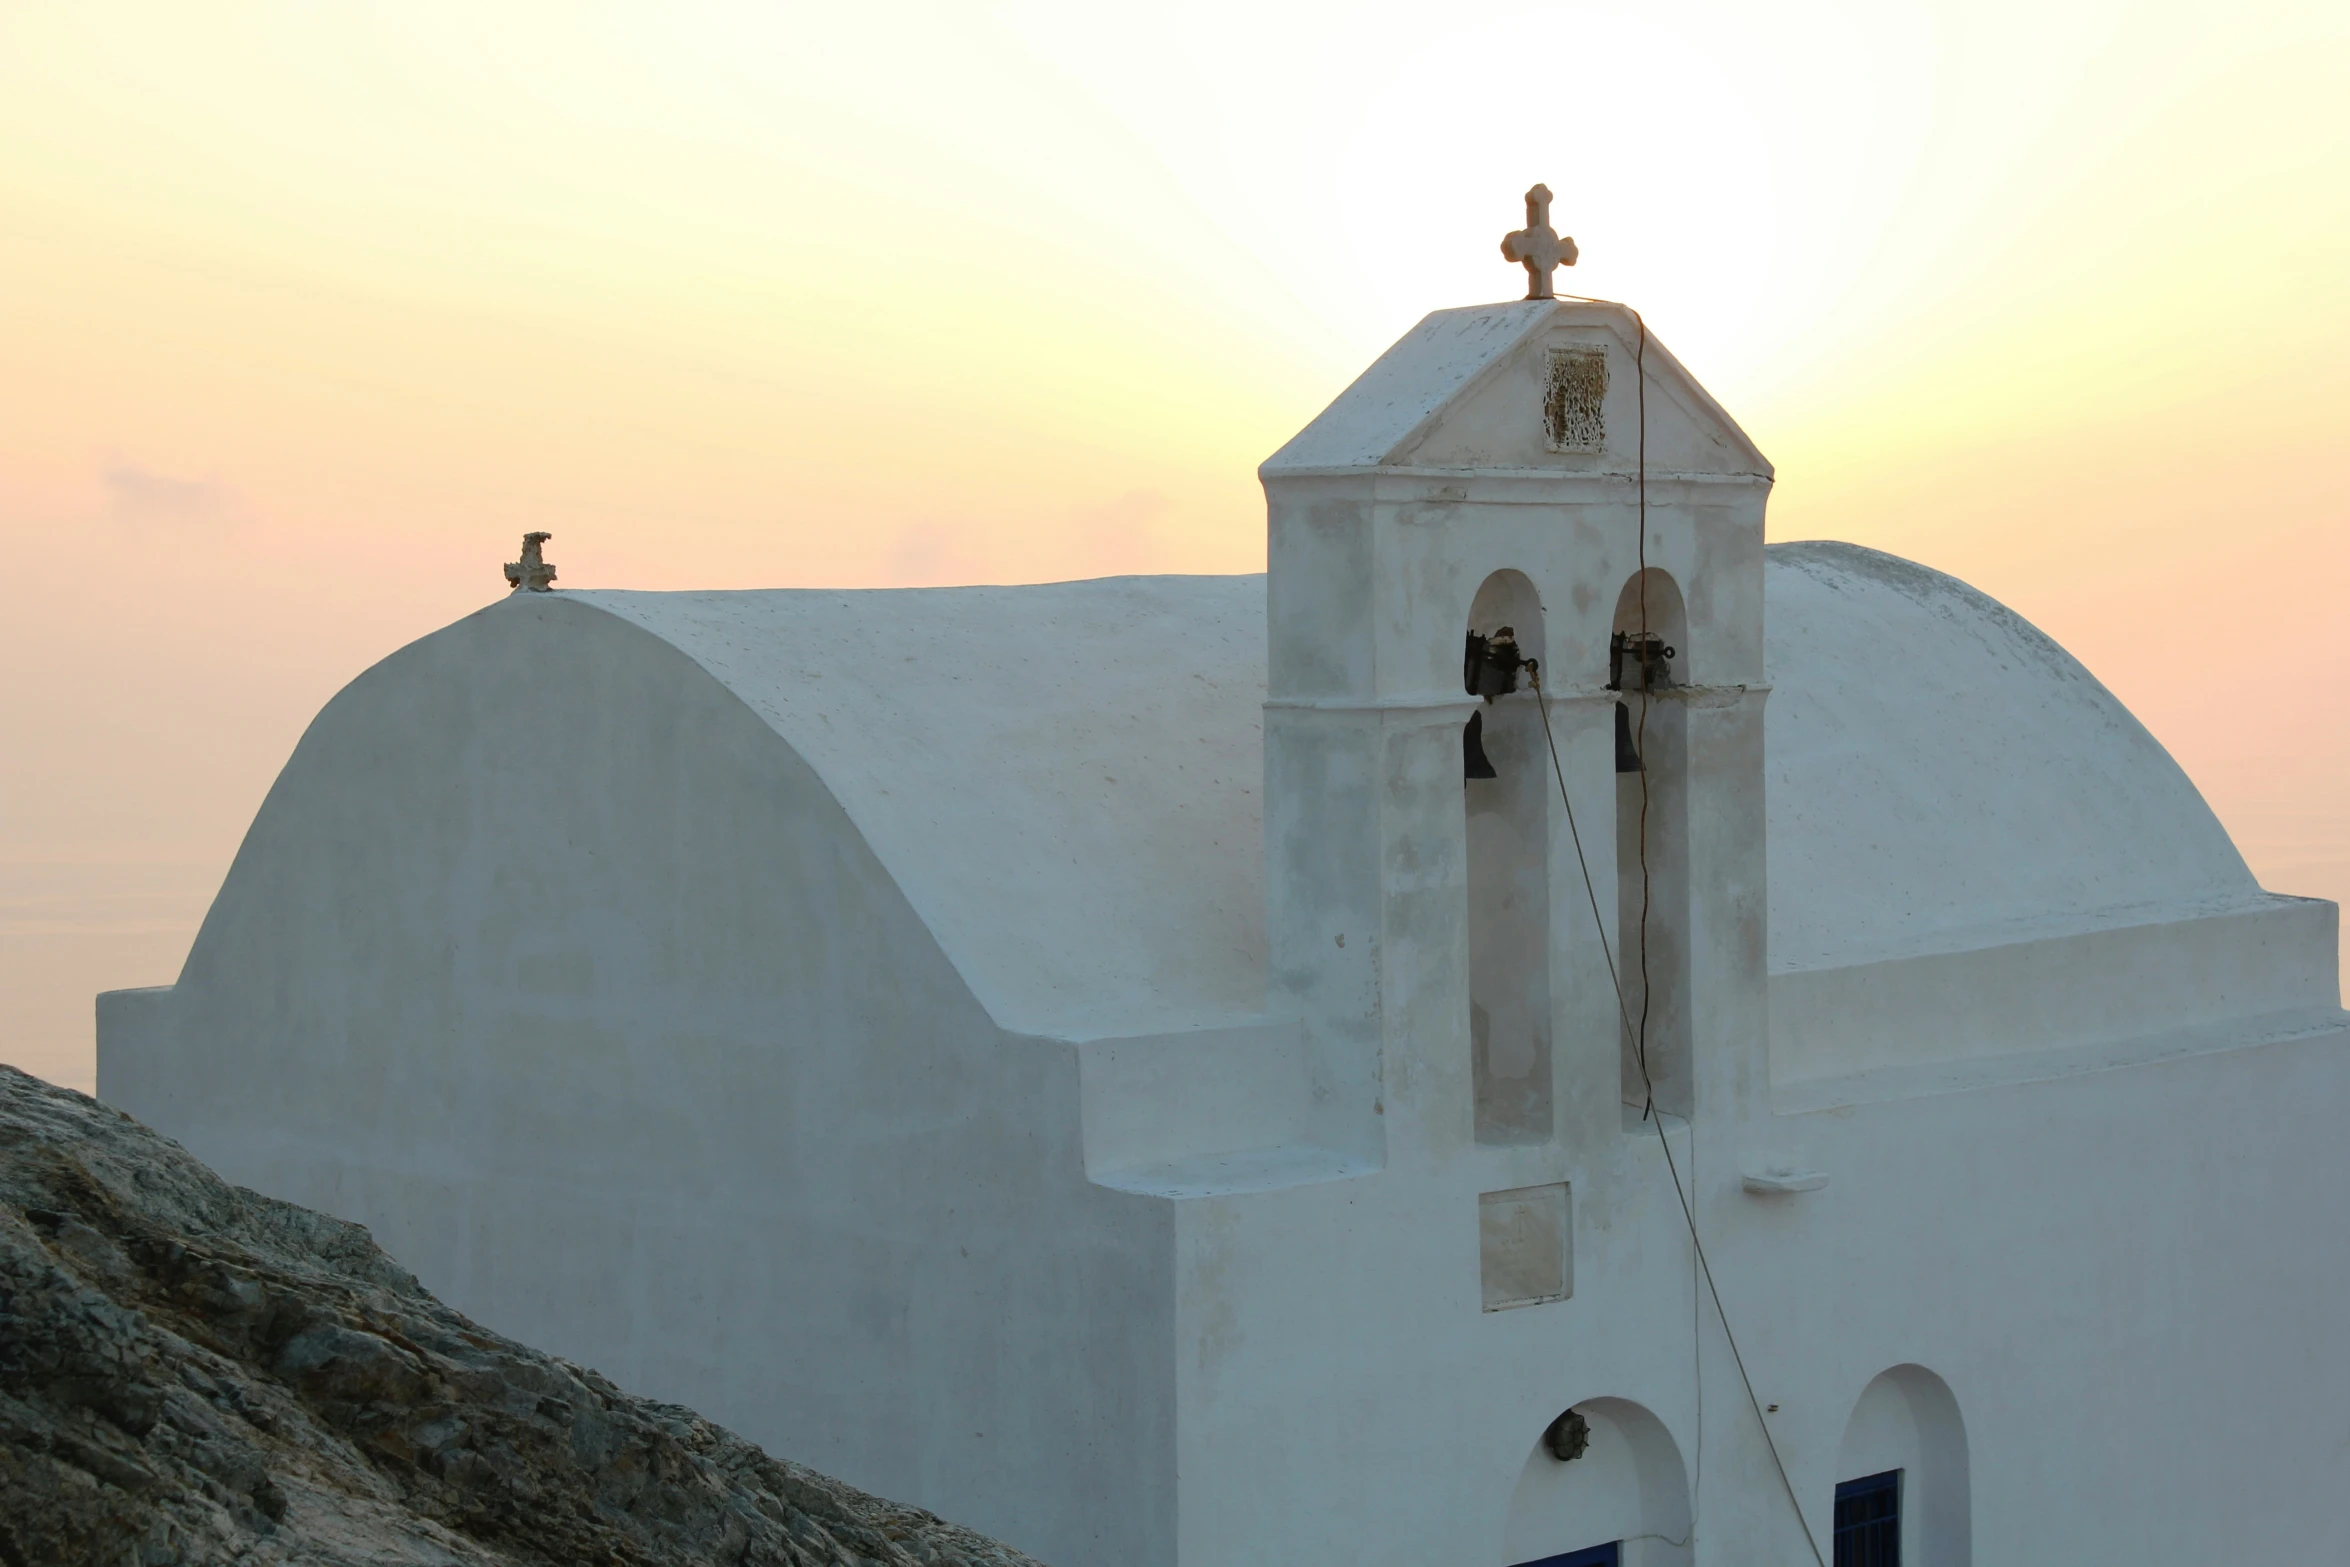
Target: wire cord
[{"x": 1639, "y": 1029}]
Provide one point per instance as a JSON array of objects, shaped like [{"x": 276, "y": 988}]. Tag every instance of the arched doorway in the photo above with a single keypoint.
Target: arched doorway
[
  {"x": 1626, "y": 1491},
  {"x": 1902, "y": 1474}
]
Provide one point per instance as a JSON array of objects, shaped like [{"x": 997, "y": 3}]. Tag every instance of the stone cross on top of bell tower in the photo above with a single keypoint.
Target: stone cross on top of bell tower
[{"x": 1538, "y": 246}]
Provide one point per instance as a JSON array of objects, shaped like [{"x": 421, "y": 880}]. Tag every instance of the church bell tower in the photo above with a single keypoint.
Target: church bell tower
[{"x": 1524, "y": 529}]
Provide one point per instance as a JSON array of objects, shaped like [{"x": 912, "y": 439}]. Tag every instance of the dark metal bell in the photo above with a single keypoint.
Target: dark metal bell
[
  {"x": 1639, "y": 661},
  {"x": 1490, "y": 665},
  {"x": 1627, "y": 754},
  {"x": 1475, "y": 764}
]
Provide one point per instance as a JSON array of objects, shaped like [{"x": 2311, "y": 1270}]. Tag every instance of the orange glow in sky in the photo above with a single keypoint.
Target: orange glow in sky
[{"x": 308, "y": 310}]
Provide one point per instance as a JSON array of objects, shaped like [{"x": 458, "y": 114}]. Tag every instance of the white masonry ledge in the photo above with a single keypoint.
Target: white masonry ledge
[{"x": 1779, "y": 1183}]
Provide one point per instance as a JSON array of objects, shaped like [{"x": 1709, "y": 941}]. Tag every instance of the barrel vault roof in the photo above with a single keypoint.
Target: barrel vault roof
[{"x": 1065, "y": 779}]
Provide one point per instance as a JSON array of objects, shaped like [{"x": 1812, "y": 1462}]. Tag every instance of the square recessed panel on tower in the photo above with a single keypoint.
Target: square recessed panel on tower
[
  {"x": 1525, "y": 1246},
  {"x": 1574, "y": 400}
]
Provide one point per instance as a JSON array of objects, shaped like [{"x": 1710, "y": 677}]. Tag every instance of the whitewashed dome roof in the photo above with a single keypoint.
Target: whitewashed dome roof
[
  {"x": 1064, "y": 779},
  {"x": 1941, "y": 774}
]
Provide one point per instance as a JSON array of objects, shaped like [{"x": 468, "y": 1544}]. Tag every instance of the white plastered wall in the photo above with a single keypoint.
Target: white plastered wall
[{"x": 546, "y": 959}]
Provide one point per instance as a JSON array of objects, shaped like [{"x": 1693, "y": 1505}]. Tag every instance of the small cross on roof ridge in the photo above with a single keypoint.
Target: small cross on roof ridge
[{"x": 1538, "y": 247}]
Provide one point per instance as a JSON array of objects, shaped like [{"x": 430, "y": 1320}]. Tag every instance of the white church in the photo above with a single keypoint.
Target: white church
[{"x": 1538, "y": 1030}]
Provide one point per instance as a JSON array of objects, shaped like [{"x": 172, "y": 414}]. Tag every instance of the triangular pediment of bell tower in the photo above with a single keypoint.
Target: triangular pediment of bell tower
[{"x": 1533, "y": 386}]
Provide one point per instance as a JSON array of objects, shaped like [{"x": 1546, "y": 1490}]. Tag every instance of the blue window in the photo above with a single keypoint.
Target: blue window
[
  {"x": 1868, "y": 1521},
  {"x": 1608, "y": 1555}
]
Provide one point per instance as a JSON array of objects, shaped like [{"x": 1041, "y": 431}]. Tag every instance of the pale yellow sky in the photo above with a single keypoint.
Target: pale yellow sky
[{"x": 308, "y": 309}]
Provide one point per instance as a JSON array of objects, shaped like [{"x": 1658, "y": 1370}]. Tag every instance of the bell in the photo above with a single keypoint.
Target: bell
[
  {"x": 1643, "y": 656},
  {"x": 1627, "y": 754},
  {"x": 1490, "y": 666},
  {"x": 1475, "y": 764}
]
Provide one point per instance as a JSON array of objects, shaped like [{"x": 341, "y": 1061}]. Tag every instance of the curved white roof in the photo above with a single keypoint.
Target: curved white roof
[
  {"x": 1064, "y": 779},
  {"x": 1943, "y": 775}
]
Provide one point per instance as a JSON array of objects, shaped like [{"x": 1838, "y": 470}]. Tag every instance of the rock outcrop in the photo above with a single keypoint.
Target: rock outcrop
[{"x": 194, "y": 1373}]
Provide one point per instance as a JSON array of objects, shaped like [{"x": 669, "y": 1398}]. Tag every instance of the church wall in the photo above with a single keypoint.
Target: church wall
[
  {"x": 1325, "y": 921},
  {"x": 1319, "y": 576},
  {"x": 1332, "y": 1345},
  {"x": 2064, "y": 989},
  {"x": 2127, "y": 1282},
  {"x": 549, "y": 962}
]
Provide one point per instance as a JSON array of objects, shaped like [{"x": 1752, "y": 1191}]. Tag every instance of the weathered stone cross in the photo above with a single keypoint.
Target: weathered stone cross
[
  {"x": 1538, "y": 246},
  {"x": 532, "y": 571}
]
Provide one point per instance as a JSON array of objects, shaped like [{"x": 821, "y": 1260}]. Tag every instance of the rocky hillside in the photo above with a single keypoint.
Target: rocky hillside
[{"x": 192, "y": 1373}]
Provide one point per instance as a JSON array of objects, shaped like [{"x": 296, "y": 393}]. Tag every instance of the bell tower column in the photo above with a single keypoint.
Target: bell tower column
[{"x": 1365, "y": 867}]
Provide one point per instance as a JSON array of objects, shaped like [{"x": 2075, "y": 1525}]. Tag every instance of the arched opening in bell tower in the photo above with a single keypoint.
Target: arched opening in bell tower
[
  {"x": 1507, "y": 798},
  {"x": 1648, "y": 659}
]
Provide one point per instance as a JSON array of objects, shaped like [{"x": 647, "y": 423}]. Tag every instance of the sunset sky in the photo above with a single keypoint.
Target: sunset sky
[{"x": 308, "y": 310}]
